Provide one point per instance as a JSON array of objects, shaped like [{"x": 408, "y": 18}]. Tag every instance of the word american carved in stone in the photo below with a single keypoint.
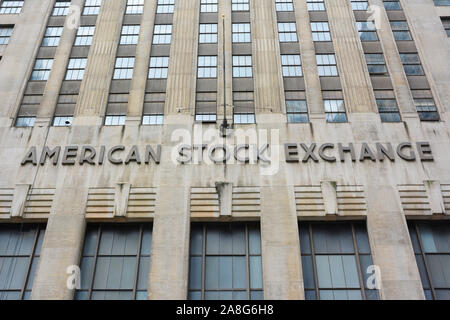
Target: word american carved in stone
[
  {"x": 380, "y": 152},
  {"x": 88, "y": 154}
]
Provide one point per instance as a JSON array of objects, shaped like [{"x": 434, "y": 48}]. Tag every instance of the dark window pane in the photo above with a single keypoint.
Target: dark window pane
[
  {"x": 439, "y": 265},
  {"x": 225, "y": 272},
  {"x": 212, "y": 240},
  {"x": 90, "y": 242},
  {"x": 372, "y": 295},
  {"x": 144, "y": 269},
  {"x": 196, "y": 240},
  {"x": 256, "y": 273},
  {"x": 195, "y": 273},
  {"x": 225, "y": 242},
  {"x": 305, "y": 246},
  {"x": 256, "y": 295},
  {"x": 310, "y": 295},
  {"x": 239, "y": 272},
  {"x": 362, "y": 239},
  {"x": 308, "y": 272},
  {"x": 212, "y": 273},
  {"x": 195, "y": 295},
  {"x": 254, "y": 238},
  {"x": 422, "y": 271},
  {"x": 443, "y": 294}
]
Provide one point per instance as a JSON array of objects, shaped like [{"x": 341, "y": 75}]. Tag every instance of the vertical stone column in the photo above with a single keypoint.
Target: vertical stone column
[
  {"x": 63, "y": 239},
  {"x": 433, "y": 48},
  {"x": 282, "y": 268},
  {"x": 168, "y": 279},
  {"x": 391, "y": 245},
  {"x": 309, "y": 64},
  {"x": 225, "y": 8},
  {"x": 180, "y": 91},
  {"x": 394, "y": 64},
  {"x": 18, "y": 60},
  {"x": 265, "y": 58},
  {"x": 351, "y": 63},
  {"x": 141, "y": 64},
  {"x": 94, "y": 90},
  {"x": 54, "y": 82}
]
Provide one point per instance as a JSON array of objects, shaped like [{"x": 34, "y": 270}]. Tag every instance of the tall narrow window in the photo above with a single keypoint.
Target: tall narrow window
[
  {"x": 84, "y": 36},
  {"x": 5, "y": 34},
  {"x": 134, "y": 7},
  {"x": 287, "y": 31},
  {"x": 61, "y": 8},
  {"x": 159, "y": 67},
  {"x": 129, "y": 35},
  {"x": 400, "y": 30},
  {"x": 92, "y": 7},
  {"x": 124, "y": 68},
  {"x": 20, "y": 248},
  {"x": 335, "y": 110},
  {"x": 326, "y": 64},
  {"x": 115, "y": 262},
  {"x": 41, "y": 69},
  {"x": 240, "y": 5},
  {"x": 208, "y": 33},
  {"x": 320, "y": 31},
  {"x": 11, "y": 7},
  {"x": 375, "y": 64},
  {"x": 284, "y": 5},
  {"x": 225, "y": 262},
  {"x": 296, "y": 111},
  {"x": 291, "y": 65},
  {"x": 411, "y": 64},
  {"x": 241, "y": 33},
  {"x": 52, "y": 36},
  {"x": 75, "y": 69},
  {"x": 208, "y": 5},
  {"x": 426, "y": 108},
  {"x": 165, "y": 6},
  {"x": 431, "y": 244},
  {"x": 162, "y": 34},
  {"x": 335, "y": 261},
  {"x": 388, "y": 110},
  {"x": 315, "y": 5}
]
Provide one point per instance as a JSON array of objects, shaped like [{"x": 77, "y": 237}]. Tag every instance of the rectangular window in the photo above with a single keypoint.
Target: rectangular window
[
  {"x": 208, "y": 33},
  {"x": 62, "y": 121},
  {"x": 159, "y": 67},
  {"x": 375, "y": 64},
  {"x": 411, "y": 64},
  {"x": 84, "y": 36},
  {"x": 241, "y": 33},
  {"x": 244, "y": 118},
  {"x": 446, "y": 24},
  {"x": 152, "y": 119},
  {"x": 441, "y": 2},
  {"x": 392, "y": 5},
  {"x": 242, "y": 66},
  {"x": 135, "y": 7},
  {"x": 358, "y": 5},
  {"x": 124, "y": 68},
  {"x": 320, "y": 31},
  {"x": 92, "y": 7},
  {"x": 207, "y": 67},
  {"x": 130, "y": 34},
  {"x": 426, "y": 108},
  {"x": 400, "y": 30},
  {"x": 335, "y": 110},
  {"x": 240, "y": 5},
  {"x": 117, "y": 120},
  {"x": 431, "y": 244},
  {"x": 41, "y": 69},
  {"x": 52, "y": 36},
  {"x": 5, "y": 34},
  {"x": 225, "y": 262},
  {"x": 206, "y": 117},
  {"x": 208, "y": 5},
  {"x": 115, "y": 262},
  {"x": 287, "y": 31},
  {"x": 20, "y": 248},
  {"x": 291, "y": 65},
  {"x": 367, "y": 31},
  {"x": 315, "y": 5},
  {"x": 284, "y": 5},
  {"x": 296, "y": 111},
  {"x": 75, "y": 69},
  {"x": 165, "y": 6},
  {"x": 326, "y": 65},
  {"x": 61, "y": 8},
  {"x": 162, "y": 34},
  {"x": 11, "y": 7},
  {"x": 388, "y": 110},
  {"x": 335, "y": 261},
  {"x": 25, "y": 121}
]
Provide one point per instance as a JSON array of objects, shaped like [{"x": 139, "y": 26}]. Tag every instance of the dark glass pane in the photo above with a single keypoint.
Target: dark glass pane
[
  {"x": 37, "y": 250},
  {"x": 13, "y": 272},
  {"x": 141, "y": 295},
  {"x": 146, "y": 244},
  {"x": 366, "y": 261},
  {"x": 226, "y": 272},
  {"x": 195, "y": 273},
  {"x": 256, "y": 295},
  {"x": 32, "y": 273},
  {"x": 439, "y": 266},
  {"x": 240, "y": 272},
  {"x": 422, "y": 271},
  {"x": 441, "y": 235},
  {"x": 428, "y": 295},
  {"x": 195, "y": 295},
  {"x": 86, "y": 269},
  {"x": 106, "y": 241},
  {"x": 81, "y": 295},
  {"x": 428, "y": 116},
  {"x": 308, "y": 273},
  {"x": 225, "y": 295},
  {"x": 362, "y": 239},
  {"x": 239, "y": 240},
  {"x": 196, "y": 240},
  {"x": 414, "y": 239},
  {"x": 353, "y": 295},
  {"x": 212, "y": 239},
  {"x": 90, "y": 242},
  {"x": 254, "y": 235},
  {"x": 443, "y": 294},
  {"x": 390, "y": 117},
  {"x": 211, "y": 295},
  {"x": 226, "y": 240},
  {"x": 326, "y": 295},
  {"x": 26, "y": 242},
  {"x": 12, "y": 295},
  {"x": 323, "y": 272},
  {"x": 305, "y": 245},
  {"x": 332, "y": 238},
  {"x": 144, "y": 270},
  {"x": 240, "y": 295},
  {"x": 426, "y": 235},
  {"x": 212, "y": 273},
  {"x": 255, "y": 273},
  {"x": 310, "y": 295},
  {"x": 372, "y": 295}
]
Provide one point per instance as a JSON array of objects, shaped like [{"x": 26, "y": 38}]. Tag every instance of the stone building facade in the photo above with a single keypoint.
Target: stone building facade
[{"x": 331, "y": 181}]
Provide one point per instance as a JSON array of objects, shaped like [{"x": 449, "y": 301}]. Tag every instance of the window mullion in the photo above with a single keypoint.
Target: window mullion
[
  {"x": 313, "y": 255},
  {"x": 30, "y": 262},
  {"x": 355, "y": 248},
  {"x": 99, "y": 232}
]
